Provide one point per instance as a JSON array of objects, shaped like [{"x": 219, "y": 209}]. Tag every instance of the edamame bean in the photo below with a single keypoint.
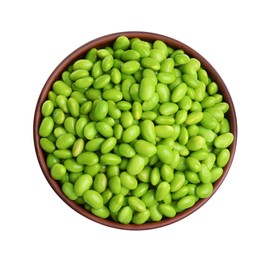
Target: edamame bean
[
  {"x": 102, "y": 212},
  {"x": 104, "y": 129},
  {"x": 51, "y": 160},
  {"x": 193, "y": 164},
  {"x": 101, "y": 81},
  {"x": 148, "y": 131},
  {"x": 194, "y": 118},
  {"x": 130, "y": 67},
  {"x": 179, "y": 92},
  {"x": 114, "y": 184},
  {"x": 47, "y": 145},
  {"x": 167, "y": 210},
  {"x": 196, "y": 143},
  {"x": 140, "y": 189},
  {"x": 128, "y": 181},
  {"x": 126, "y": 119},
  {"x": 78, "y": 147},
  {"x": 108, "y": 145},
  {"x": 164, "y": 131},
  {"x": 147, "y": 89},
  {"x": 151, "y": 104},
  {"x": 177, "y": 182},
  {"x": 155, "y": 214},
  {"x": 112, "y": 94},
  {"x": 166, "y": 77},
  {"x": 223, "y": 157},
  {"x": 216, "y": 173},
  {"x": 168, "y": 108},
  {"x": 204, "y": 190},
  {"x": 224, "y": 140},
  {"x": 186, "y": 202},
  {"x": 68, "y": 190},
  {"x": 155, "y": 176},
  {"x": 63, "y": 154},
  {"x": 135, "y": 165},
  {"x": 121, "y": 43},
  {"x": 46, "y": 126},
  {"x": 136, "y": 204},
  {"x": 100, "y": 110},
  {"x": 145, "y": 148},
  {"x": 130, "y": 133},
  {"x": 65, "y": 141},
  {"x": 162, "y": 190},
  {"x": 110, "y": 159},
  {"x": 204, "y": 174},
  {"x": 208, "y": 121},
  {"x": 137, "y": 110},
  {"x": 165, "y": 154},
  {"x": 61, "y": 88},
  {"x": 87, "y": 158},
  {"x": 47, "y": 108},
  {"x": 142, "y": 47},
  {"x": 125, "y": 215},
  {"x": 116, "y": 202},
  {"x": 72, "y": 165},
  {"x": 126, "y": 150},
  {"x": 90, "y": 130},
  {"x": 93, "y": 198},
  {"x": 141, "y": 217},
  {"x": 100, "y": 182},
  {"x": 58, "y": 171},
  {"x": 82, "y": 184}
]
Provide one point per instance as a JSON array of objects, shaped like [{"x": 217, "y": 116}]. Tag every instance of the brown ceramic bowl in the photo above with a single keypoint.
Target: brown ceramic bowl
[{"x": 107, "y": 41}]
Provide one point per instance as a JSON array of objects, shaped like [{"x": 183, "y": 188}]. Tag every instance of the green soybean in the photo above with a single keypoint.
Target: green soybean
[
  {"x": 73, "y": 166},
  {"x": 223, "y": 157},
  {"x": 167, "y": 210},
  {"x": 126, "y": 150},
  {"x": 110, "y": 159},
  {"x": 186, "y": 202},
  {"x": 104, "y": 129},
  {"x": 130, "y": 133},
  {"x": 224, "y": 140},
  {"x": 68, "y": 190},
  {"x": 164, "y": 131},
  {"x": 93, "y": 198},
  {"x": 87, "y": 158},
  {"x": 130, "y": 67},
  {"x": 165, "y": 154},
  {"x": 58, "y": 171},
  {"x": 147, "y": 89},
  {"x": 125, "y": 215},
  {"x": 141, "y": 217},
  {"x": 162, "y": 190},
  {"x": 204, "y": 190},
  {"x": 148, "y": 131},
  {"x": 135, "y": 165},
  {"x": 47, "y": 108},
  {"x": 82, "y": 184},
  {"x": 114, "y": 184},
  {"x": 116, "y": 202},
  {"x": 46, "y": 126},
  {"x": 101, "y": 81},
  {"x": 145, "y": 148}
]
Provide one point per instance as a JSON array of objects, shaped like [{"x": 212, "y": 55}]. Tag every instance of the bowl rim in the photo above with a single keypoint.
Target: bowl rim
[{"x": 104, "y": 41}]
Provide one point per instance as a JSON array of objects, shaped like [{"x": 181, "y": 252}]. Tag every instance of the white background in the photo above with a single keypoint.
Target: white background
[{"x": 37, "y": 35}]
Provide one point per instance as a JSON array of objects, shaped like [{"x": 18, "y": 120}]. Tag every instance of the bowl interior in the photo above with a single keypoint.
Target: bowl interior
[{"x": 107, "y": 41}]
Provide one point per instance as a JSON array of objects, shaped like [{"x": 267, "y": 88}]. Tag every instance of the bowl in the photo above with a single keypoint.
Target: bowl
[{"x": 102, "y": 42}]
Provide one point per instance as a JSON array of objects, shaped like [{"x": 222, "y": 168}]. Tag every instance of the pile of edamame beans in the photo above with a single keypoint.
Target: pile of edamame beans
[{"x": 135, "y": 132}]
